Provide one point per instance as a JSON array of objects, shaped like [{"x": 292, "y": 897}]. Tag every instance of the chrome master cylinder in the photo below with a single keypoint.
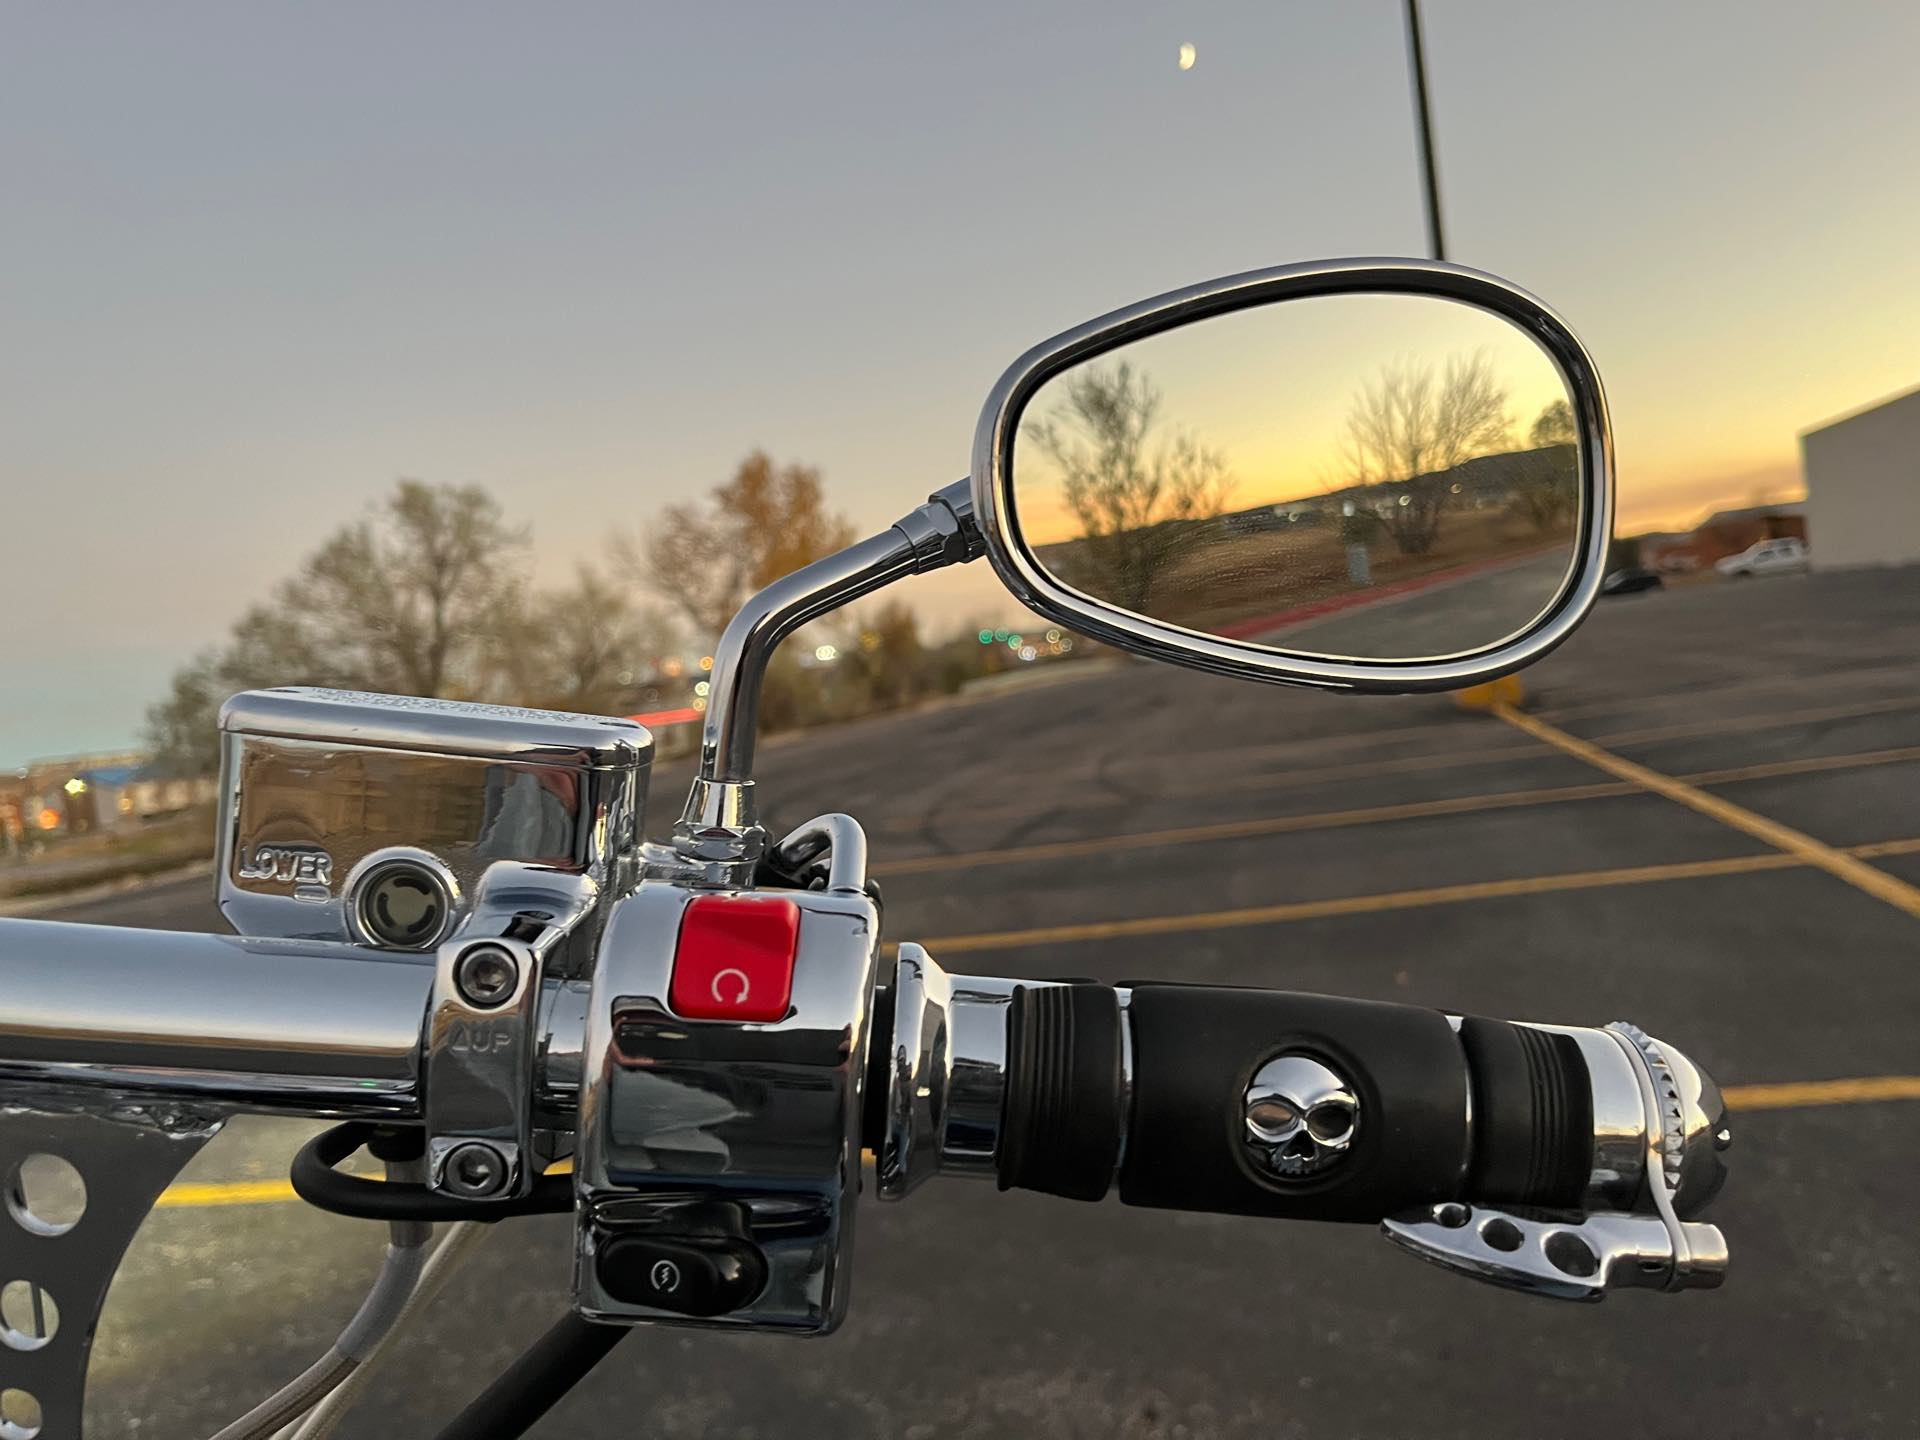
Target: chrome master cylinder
[{"x": 385, "y": 820}]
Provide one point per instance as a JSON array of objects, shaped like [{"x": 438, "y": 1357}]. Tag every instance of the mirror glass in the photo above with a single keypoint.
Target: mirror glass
[{"x": 1361, "y": 476}]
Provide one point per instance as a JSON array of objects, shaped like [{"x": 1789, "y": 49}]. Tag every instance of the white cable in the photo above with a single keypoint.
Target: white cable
[
  {"x": 454, "y": 1249},
  {"x": 400, "y": 1270}
]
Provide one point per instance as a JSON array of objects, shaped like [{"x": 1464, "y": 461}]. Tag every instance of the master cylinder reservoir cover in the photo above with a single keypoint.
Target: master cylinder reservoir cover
[{"x": 372, "y": 818}]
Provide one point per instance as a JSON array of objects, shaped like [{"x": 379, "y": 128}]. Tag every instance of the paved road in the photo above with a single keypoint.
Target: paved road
[
  {"x": 1446, "y": 617},
  {"x": 985, "y": 1315}
]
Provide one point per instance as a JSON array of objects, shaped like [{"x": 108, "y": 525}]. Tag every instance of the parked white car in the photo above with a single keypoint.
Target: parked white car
[{"x": 1768, "y": 557}]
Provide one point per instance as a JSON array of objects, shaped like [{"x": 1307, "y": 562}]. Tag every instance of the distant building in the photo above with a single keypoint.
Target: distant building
[
  {"x": 1863, "y": 485},
  {"x": 1723, "y": 533},
  {"x": 85, "y": 793}
]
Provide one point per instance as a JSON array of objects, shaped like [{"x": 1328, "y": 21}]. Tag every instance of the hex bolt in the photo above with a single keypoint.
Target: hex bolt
[
  {"x": 474, "y": 1171},
  {"x": 485, "y": 975}
]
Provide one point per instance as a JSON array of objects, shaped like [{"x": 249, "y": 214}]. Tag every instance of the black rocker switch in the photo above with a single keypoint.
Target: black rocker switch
[{"x": 689, "y": 1275}]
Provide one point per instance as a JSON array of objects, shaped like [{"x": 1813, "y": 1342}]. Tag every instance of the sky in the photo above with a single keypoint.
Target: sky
[
  {"x": 259, "y": 261},
  {"x": 1269, "y": 391}
]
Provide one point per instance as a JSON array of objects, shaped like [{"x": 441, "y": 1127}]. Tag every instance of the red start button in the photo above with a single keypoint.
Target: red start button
[{"x": 735, "y": 958}]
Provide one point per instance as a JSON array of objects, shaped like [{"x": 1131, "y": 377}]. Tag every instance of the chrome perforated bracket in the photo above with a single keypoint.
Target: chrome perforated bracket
[
  {"x": 1679, "y": 1130},
  {"x": 1571, "y": 1257},
  {"x": 78, "y": 1185}
]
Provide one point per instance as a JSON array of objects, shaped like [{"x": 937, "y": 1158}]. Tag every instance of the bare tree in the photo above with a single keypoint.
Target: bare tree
[
  {"x": 407, "y": 600},
  {"x": 577, "y": 648},
  {"x": 1543, "y": 492},
  {"x": 404, "y": 601},
  {"x": 765, "y": 522},
  {"x": 1410, "y": 427},
  {"x": 1136, "y": 495},
  {"x": 181, "y": 729}
]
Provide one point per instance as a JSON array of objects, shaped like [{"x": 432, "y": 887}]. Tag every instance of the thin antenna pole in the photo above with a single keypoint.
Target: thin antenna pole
[{"x": 1423, "y": 119}]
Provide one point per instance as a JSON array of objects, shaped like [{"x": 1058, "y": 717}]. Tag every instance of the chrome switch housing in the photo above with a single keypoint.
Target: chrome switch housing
[
  {"x": 733, "y": 1142},
  {"x": 375, "y": 818}
]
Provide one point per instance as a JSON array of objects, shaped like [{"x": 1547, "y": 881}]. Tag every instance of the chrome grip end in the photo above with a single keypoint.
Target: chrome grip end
[{"x": 1660, "y": 1137}]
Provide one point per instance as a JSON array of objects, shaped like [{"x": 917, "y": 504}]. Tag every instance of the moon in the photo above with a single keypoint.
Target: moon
[{"x": 1187, "y": 57}]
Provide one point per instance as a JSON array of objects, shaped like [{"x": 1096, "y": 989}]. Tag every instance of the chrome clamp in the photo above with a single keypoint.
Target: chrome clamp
[{"x": 478, "y": 1075}]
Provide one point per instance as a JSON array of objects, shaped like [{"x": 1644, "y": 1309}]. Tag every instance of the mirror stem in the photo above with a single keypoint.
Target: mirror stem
[{"x": 720, "y": 829}]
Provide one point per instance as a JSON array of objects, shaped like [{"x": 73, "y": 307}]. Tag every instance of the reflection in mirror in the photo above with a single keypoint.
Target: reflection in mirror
[{"x": 1366, "y": 476}]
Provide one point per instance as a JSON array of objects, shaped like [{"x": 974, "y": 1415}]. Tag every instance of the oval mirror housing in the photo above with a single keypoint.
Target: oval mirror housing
[{"x": 1369, "y": 474}]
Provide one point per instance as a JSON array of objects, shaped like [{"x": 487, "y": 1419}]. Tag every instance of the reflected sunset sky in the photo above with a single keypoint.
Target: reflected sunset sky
[
  {"x": 1271, "y": 388},
  {"x": 259, "y": 262}
]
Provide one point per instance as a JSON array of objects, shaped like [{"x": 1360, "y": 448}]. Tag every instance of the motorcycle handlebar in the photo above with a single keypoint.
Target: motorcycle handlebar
[
  {"x": 298, "y": 1027},
  {"x": 1184, "y": 1097}
]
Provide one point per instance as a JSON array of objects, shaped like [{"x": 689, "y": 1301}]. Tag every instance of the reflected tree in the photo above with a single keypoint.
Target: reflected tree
[
  {"x": 1412, "y": 426},
  {"x": 1544, "y": 488},
  {"x": 1137, "y": 494}
]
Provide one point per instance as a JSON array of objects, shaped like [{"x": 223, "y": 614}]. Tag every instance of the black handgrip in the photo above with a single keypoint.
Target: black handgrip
[{"x": 1493, "y": 1112}]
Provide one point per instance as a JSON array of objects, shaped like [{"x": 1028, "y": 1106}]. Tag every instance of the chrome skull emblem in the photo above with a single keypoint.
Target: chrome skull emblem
[{"x": 1301, "y": 1117}]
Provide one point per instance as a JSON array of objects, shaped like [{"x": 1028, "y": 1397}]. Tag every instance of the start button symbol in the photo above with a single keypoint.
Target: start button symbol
[{"x": 734, "y": 958}]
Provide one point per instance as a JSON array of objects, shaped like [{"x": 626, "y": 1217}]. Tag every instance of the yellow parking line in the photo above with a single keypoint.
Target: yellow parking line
[
  {"x": 1241, "y": 829},
  {"x": 1778, "y": 720},
  {"x": 230, "y": 1192},
  {"x": 1291, "y": 751},
  {"x": 1880, "y": 848},
  {"x": 1800, "y": 1095},
  {"x": 1839, "y": 863},
  {"x": 1370, "y": 815},
  {"x": 1396, "y": 900},
  {"x": 1793, "y": 1095},
  {"x": 1319, "y": 774},
  {"x": 1806, "y": 765},
  {"x": 1693, "y": 694},
  {"x": 1359, "y": 904}
]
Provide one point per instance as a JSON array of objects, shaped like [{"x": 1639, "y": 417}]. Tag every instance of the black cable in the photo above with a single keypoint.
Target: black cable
[
  {"x": 534, "y": 1383},
  {"x": 318, "y": 1183}
]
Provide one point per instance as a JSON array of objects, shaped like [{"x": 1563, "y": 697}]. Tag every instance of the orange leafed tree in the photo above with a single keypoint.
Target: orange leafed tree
[{"x": 765, "y": 522}]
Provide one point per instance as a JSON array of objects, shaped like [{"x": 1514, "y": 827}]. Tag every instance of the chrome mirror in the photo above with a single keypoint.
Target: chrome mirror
[{"x": 1373, "y": 475}]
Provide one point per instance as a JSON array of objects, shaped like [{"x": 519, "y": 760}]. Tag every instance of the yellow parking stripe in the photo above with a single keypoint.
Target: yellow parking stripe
[
  {"x": 1242, "y": 829},
  {"x": 1358, "y": 904},
  {"x": 1839, "y": 863},
  {"x": 1371, "y": 815},
  {"x": 1247, "y": 782},
  {"x": 231, "y": 1192},
  {"x": 1806, "y": 765},
  {"x": 1793, "y": 1095},
  {"x": 1798, "y": 1096},
  {"x": 1777, "y": 720},
  {"x": 1395, "y": 900}
]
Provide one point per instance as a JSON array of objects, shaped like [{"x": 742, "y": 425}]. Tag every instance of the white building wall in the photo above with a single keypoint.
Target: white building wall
[{"x": 1863, "y": 486}]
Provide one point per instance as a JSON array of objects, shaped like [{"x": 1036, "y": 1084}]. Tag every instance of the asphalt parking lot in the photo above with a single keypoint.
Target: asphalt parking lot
[{"x": 1135, "y": 822}]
